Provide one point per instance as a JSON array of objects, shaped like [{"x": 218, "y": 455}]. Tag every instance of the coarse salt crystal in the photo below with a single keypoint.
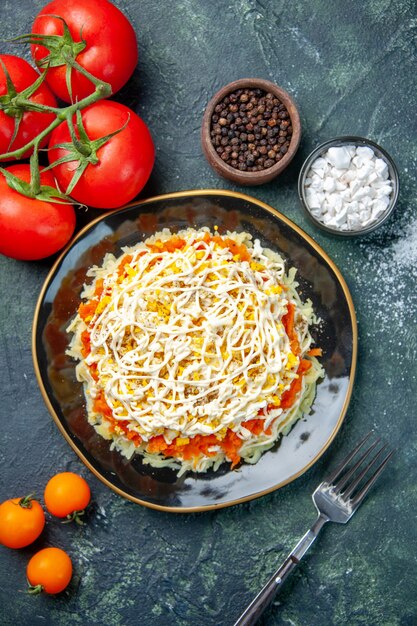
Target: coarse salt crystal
[
  {"x": 366, "y": 201},
  {"x": 348, "y": 176},
  {"x": 354, "y": 186},
  {"x": 364, "y": 215},
  {"x": 353, "y": 207},
  {"x": 337, "y": 173},
  {"x": 361, "y": 192},
  {"x": 378, "y": 209},
  {"x": 316, "y": 211},
  {"x": 319, "y": 164},
  {"x": 339, "y": 157},
  {"x": 354, "y": 221},
  {"x": 340, "y": 218},
  {"x": 340, "y": 186},
  {"x": 329, "y": 184},
  {"x": 316, "y": 181},
  {"x": 348, "y": 187},
  {"x": 372, "y": 177},
  {"x": 358, "y": 161},
  {"x": 365, "y": 152},
  {"x": 312, "y": 199},
  {"x": 384, "y": 191},
  {"x": 380, "y": 203},
  {"x": 365, "y": 171},
  {"x": 381, "y": 166},
  {"x": 379, "y": 183}
]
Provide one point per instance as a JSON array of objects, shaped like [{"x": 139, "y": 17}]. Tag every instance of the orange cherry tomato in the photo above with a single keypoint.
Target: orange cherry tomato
[
  {"x": 21, "y": 521},
  {"x": 66, "y": 495},
  {"x": 49, "y": 570}
]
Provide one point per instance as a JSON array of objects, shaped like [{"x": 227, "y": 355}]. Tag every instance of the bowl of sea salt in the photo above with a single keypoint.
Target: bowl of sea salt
[{"x": 348, "y": 186}]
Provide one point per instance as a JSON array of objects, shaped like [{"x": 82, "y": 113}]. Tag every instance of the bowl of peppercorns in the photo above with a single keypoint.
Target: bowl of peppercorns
[{"x": 251, "y": 131}]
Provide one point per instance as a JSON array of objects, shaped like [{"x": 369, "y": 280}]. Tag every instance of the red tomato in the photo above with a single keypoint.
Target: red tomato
[
  {"x": 49, "y": 570},
  {"x": 32, "y": 123},
  {"x": 111, "y": 50},
  {"x": 124, "y": 163},
  {"x": 30, "y": 228},
  {"x": 21, "y": 522}
]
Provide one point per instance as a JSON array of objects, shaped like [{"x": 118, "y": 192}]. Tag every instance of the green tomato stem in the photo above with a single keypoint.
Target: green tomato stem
[
  {"x": 102, "y": 90},
  {"x": 35, "y": 175},
  {"x": 26, "y": 501},
  {"x": 29, "y": 105},
  {"x": 75, "y": 516}
]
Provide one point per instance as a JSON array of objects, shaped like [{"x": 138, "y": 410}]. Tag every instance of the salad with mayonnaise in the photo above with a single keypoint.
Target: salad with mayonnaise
[{"x": 194, "y": 349}]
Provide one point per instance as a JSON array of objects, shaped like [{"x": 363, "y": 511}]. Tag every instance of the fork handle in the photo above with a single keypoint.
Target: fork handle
[{"x": 264, "y": 598}]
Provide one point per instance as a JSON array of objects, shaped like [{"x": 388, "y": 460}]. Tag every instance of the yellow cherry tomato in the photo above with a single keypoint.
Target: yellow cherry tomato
[
  {"x": 21, "y": 521},
  {"x": 49, "y": 570},
  {"x": 67, "y": 495}
]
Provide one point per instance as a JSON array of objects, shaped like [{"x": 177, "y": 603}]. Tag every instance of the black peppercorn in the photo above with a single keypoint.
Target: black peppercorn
[{"x": 250, "y": 130}]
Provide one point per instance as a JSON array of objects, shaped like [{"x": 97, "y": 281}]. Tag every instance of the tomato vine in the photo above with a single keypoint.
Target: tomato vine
[
  {"x": 100, "y": 153},
  {"x": 23, "y": 103}
]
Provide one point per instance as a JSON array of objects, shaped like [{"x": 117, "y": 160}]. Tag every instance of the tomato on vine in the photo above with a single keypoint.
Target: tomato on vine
[
  {"x": 21, "y": 521},
  {"x": 67, "y": 495},
  {"x": 98, "y": 36},
  {"x": 49, "y": 570},
  {"x": 105, "y": 157},
  {"x": 33, "y": 223},
  {"x": 18, "y": 125}
]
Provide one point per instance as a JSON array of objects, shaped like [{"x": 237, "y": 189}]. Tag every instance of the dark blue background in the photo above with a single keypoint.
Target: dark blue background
[{"x": 351, "y": 68}]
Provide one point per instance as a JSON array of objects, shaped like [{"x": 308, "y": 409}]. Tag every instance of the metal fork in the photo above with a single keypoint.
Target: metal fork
[{"x": 336, "y": 500}]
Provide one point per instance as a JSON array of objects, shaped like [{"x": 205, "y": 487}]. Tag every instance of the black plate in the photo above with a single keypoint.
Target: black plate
[{"x": 319, "y": 280}]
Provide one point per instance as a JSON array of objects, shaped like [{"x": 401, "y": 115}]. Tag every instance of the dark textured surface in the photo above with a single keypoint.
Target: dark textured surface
[{"x": 351, "y": 68}]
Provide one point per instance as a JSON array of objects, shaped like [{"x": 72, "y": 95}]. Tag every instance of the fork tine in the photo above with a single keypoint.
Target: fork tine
[
  {"x": 360, "y": 496},
  {"x": 338, "y": 486},
  {"x": 348, "y": 492},
  {"x": 331, "y": 477}
]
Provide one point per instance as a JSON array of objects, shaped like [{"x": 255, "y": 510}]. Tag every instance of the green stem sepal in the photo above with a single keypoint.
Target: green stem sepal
[
  {"x": 34, "y": 190},
  {"x": 61, "y": 49},
  {"x": 14, "y": 103},
  {"x": 81, "y": 148},
  {"x": 102, "y": 90},
  {"x": 35, "y": 590},
  {"x": 58, "y": 46},
  {"x": 26, "y": 502},
  {"x": 75, "y": 517}
]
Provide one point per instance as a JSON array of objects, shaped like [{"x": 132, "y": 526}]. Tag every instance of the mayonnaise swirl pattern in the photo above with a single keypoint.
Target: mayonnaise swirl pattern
[{"x": 190, "y": 341}]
